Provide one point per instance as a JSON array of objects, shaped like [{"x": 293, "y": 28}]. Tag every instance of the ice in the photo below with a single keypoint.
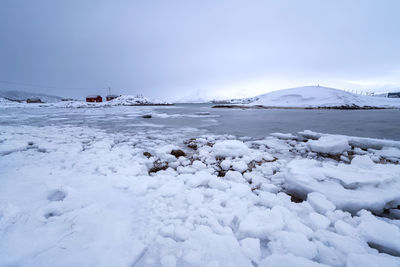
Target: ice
[
  {"x": 331, "y": 144},
  {"x": 251, "y": 248},
  {"x": 370, "y": 260},
  {"x": 84, "y": 196},
  {"x": 239, "y": 166},
  {"x": 294, "y": 243},
  {"x": 285, "y": 260},
  {"x": 350, "y": 187},
  {"x": 320, "y": 203},
  {"x": 230, "y": 148},
  {"x": 318, "y": 221},
  {"x": 261, "y": 223},
  {"x": 380, "y": 234}
]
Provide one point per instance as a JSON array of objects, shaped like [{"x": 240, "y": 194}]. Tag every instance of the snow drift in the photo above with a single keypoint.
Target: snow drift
[{"x": 319, "y": 96}]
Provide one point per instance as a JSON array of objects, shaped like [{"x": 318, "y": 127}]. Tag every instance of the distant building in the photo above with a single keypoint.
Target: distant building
[
  {"x": 94, "y": 98},
  {"x": 34, "y": 100},
  {"x": 394, "y": 95},
  {"x": 111, "y": 97}
]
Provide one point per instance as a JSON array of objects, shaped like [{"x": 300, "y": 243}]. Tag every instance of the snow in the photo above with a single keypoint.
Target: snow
[
  {"x": 319, "y": 96},
  {"x": 73, "y": 195},
  {"x": 230, "y": 148},
  {"x": 331, "y": 144},
  {"x": 23, "y": 96},
  {"x": 320, "y": 203},
  {"x": 284, "y": 260},
  {"x": 261, "y": 223},
  {"x": 349, "y": 186},
  {"x": 55, "y": 102}
]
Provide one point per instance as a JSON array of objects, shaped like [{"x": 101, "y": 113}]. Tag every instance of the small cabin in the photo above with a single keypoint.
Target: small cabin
[
  {"x": 34, "y": 100},
  {"x": 94, "y": 98},
  {"x": 111, "y": 97}
]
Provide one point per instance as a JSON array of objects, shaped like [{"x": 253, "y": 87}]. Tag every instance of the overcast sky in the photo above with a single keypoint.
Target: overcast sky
[{"x": 191, "y": 49}]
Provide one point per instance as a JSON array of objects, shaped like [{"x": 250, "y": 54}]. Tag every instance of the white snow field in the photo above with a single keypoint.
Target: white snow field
[
  {"x": 22, "y": 96},
  {"x": 74, "y": 195},
  {"x": 55, "y": 102},
  {"x": 319, "y": 96}
]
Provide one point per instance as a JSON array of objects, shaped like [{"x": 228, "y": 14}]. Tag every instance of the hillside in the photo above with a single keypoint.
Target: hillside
[
  {"x": 319, "y": 96},
  {"x": 22, "y": 96}
]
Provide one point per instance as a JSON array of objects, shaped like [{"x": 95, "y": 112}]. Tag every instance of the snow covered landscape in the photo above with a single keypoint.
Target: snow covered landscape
[
  {"x": 316, "y": 97},
  {"x": 73, "y": 194},
  {"x": 199, "y": 133}
]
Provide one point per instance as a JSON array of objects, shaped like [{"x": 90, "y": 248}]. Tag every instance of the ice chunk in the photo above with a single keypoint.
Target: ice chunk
[
  {"x": 293, "y": 243},
  {"x": 330, "y": 144},
  {"x": 251, "y": 248},
  {"x": 320, "y": 203},
  {"x": 234, "y": 176},
  {"x": 284, "y": 136},
  {"x": 380, "y": 234},
  {"x": 261, "y": 223},
  {"x": 318, "y": 221},
  {"x": 349, "y": 187},
  {"x": 280, "y": 260},
  {"x": 362, "y": 162},
  {"x": 239, "y": 166},
  {"x": 226, "y": 164},
  {"x": 370, "y": 260},
  {"x": 230, "y": 148}
]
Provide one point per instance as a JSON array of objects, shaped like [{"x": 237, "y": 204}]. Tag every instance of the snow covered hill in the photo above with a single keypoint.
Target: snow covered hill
[
  {"x": 18, "y": 99},
  {"x": 124, "y": 100},
  {"x": 23, "y": 96},
  {"x": 319, "y": 96}
]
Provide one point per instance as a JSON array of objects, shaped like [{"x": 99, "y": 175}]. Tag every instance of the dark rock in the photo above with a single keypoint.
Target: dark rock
[
  {"x": 191, "y": 143},
  {"x": 146, "y": 116},
  {"x": 178, "y": 153},
  {"x": 147, "y": 154},
  {"x": 158, "y": 166}
]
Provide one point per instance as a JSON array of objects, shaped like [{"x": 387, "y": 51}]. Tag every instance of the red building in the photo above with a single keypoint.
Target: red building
[{"x": 94, "y": 98}]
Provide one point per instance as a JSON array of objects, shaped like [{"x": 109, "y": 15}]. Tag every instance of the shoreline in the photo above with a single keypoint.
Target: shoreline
[{"x": 277, "y": 107}]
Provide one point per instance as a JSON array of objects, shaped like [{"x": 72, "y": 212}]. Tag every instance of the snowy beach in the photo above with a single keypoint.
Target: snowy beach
[{"x": 85, "y": 187}]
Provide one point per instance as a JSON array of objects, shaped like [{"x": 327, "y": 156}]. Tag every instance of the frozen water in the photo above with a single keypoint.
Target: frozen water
[{"x": 86, "y": 189}]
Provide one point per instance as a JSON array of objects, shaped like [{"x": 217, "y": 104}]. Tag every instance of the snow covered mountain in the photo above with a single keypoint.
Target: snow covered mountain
[
  {"x": 23, "y": 96},
  {"x": 319, "y": 96}
]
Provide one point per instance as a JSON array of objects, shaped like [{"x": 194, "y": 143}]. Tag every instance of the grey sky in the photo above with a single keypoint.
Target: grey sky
[{"x": 190, "y": 49}]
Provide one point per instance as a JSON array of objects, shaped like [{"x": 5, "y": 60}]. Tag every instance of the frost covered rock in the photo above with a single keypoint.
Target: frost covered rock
[{"x": 330, "y": 144}]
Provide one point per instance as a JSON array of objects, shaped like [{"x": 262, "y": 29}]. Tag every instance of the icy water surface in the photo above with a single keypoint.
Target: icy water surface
[
  {"x": 383, "y": 124},
  {"x": 107, "y": 187}
]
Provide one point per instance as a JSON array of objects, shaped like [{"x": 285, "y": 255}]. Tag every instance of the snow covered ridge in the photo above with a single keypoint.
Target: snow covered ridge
[
  {"x": 86, "y": 197},
  {"x": 321, "y": 97},
  {"x": 15, "y": 96},
  {"x": 124, "y": 100}
]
